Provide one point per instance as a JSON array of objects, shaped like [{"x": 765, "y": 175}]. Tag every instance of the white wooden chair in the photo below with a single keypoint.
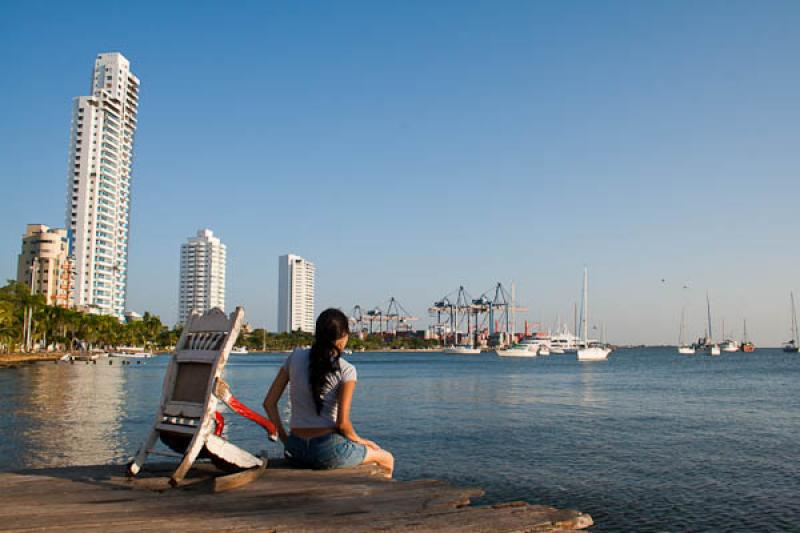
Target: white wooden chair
[{"x": 187, "y": 419}]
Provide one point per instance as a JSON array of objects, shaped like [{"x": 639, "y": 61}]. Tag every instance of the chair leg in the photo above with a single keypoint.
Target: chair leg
[
  {"x": 192, "y": 451},
  {"x": 141, "y": 456}
]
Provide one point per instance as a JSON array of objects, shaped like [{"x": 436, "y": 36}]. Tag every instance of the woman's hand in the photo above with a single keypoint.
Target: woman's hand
[{"x": 369, "y": 444}]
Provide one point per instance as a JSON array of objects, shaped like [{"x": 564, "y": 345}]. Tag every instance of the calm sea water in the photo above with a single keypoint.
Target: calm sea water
[{"x": 648, "y": 440}]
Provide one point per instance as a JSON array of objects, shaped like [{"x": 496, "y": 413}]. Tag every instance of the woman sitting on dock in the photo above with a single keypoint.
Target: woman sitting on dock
[{"x": 322, "y": 385}]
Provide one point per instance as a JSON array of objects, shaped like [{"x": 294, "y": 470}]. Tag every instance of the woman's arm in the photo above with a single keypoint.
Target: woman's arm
[
  {"x": 343, "y": 424},
  {"x": 271, "y": 401}
]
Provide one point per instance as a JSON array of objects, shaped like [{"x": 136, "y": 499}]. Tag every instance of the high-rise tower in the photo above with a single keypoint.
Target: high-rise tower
[
  {"x": 202, "y": 283},
  {"x": 98, "y": 185},
  {"x": 295, "y": 294}
]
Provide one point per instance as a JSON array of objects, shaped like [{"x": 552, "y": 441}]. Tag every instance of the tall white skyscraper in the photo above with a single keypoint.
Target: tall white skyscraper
[
  {"x": 295, "y": 294},
  {"x": 98, "y": 185},
  {"x": 202, "y": 284}
]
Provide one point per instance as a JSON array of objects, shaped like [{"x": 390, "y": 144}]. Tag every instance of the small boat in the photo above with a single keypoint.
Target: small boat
[
  {"x": 593, "y": 353},
  {"x": 240, "y": 350},
  {"x": 517, "y": 350},
  {"x": 589, "y": 352},
  {"x": 729, "y": 345},
  {"x": 131, "y": 355},
  {"x": 556, "y": 350},
  {"x": 462, "y": 349},
  {"x": 88, "y": 356},
  {"x": 792, "y": 346},
  {"x": 683, "y": 348},
  {"x": 746, "y": 345},
  {"x": 711, "y": 348}
]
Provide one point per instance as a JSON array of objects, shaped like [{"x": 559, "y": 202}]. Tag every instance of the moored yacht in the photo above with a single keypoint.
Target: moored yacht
[
  {"x": 683, "y": 348},
  {"x": 589, "y": 352},
  {"x": 711, "y": 348},
  {"x": 517, "y": 350},
  {"x": 747, "y": 346},
  {"x": 462, "y": 349}
]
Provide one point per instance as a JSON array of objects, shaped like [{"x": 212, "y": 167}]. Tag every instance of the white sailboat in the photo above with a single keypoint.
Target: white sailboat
[
  {"x": 462, "y": 349},
  {"x": 589, "y": 352},
  {"x": 711, "y": 348},
  {"x": 683, "y": 348},
  {"x": 728, "y": 345}
]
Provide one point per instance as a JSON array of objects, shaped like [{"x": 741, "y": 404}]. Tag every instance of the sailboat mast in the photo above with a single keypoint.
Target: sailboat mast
[
  {"x": 683, "y": 321},
  {"x": 585, "y": 317},
  {"x": 513, "y": 312},
  {"x": 708, "y": 308},
  {"x": 794, "y": 320}
]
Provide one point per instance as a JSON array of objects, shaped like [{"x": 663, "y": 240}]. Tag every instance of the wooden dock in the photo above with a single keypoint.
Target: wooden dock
[{"x": 101, "y": 498}]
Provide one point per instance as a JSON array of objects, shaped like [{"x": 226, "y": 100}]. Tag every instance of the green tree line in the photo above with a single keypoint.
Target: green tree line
[
  {"x": 260, "y": 339},
  {"x": 67, "y": 328}
]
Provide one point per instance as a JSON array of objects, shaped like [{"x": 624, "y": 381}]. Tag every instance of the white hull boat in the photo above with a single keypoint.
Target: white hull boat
[
  {"x": 461, "y": 350},
  {"x": 730, "y": 346},
  {"x": 593, "y": 353},
  {"x": 134, "y": 355},
  {"x": 556, "y": 350},
  {"x": 240, "y": 350},
  {"x": 520, "y": 350},
  {"x": 589, "y": 352},
  {"x": 683, "y": 348},
  {"x": 713, "y": 349}
]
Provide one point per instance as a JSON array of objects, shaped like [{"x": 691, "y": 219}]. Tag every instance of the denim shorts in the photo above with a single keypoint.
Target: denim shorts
[{"x": 324, "y": 452}]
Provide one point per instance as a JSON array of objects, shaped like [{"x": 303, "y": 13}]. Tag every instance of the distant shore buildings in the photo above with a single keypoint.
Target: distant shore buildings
[
  {"x": 295, "y": 294},
  {"x": 202, "y": 277},
  {"x": 44, "y": 264},
  {"x": 98, "y": 185}
]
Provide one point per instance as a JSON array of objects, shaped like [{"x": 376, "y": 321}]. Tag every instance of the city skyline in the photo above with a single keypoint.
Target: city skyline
[{"x": 418, "y": 148}]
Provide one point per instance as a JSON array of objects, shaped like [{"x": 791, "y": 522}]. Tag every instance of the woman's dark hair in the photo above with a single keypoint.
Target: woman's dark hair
[{"x": 332, "y": 325}]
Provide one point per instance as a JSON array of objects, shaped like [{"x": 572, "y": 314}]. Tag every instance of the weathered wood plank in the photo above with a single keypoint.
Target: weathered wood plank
[
  {"x": 101, "y": 498},
  {"x": 239, "y": 479}
]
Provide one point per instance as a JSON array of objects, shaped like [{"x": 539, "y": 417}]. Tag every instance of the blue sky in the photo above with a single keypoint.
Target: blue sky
[{"x": 410, "y": 147}]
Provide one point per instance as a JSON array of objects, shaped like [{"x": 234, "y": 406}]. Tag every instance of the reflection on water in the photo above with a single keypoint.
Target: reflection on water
[
  {"x": 67, "y": 415},
  {"x": 590, "y": 395}
]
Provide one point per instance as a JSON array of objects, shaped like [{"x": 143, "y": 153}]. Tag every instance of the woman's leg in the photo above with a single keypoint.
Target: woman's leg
[{"x": 382, "y": 458}]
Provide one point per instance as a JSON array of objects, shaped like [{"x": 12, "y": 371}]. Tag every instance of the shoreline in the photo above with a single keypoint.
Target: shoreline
[{"x": 10, "y": 360}]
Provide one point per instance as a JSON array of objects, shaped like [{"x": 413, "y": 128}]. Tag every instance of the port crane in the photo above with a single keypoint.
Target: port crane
[
  {"x": 493, "y": 311},
  {"x": 392, "y": 320}
]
